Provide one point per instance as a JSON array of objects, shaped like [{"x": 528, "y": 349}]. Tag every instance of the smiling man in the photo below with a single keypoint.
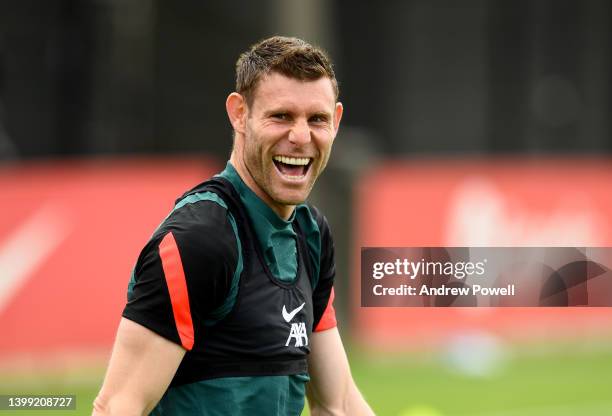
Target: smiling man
[
  {"x": 284, "y": 132},
  {"x": 230, "y": 304}
]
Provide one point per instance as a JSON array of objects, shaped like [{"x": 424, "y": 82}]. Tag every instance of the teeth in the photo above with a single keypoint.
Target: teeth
[{"x": 298, "y": 161}]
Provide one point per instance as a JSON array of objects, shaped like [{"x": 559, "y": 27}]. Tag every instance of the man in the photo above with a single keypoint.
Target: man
[{"x": 230, "y": 303}]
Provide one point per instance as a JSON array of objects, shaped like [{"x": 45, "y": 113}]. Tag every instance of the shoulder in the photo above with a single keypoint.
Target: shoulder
[
  {"x": 315, "y": 228},
  {"x": 189, "y": 265},
  {"x": 200, "y": 209},
  {"x": 202, "y": 227}
]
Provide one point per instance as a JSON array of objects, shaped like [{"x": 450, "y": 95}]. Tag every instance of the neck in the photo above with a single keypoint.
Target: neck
[{"x": 282, "y": 210}]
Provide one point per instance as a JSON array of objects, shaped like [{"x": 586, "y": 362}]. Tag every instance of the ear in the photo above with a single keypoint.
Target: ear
[
  {"x": 236, "y": 111},
  {"x": 338, "y": 111}
]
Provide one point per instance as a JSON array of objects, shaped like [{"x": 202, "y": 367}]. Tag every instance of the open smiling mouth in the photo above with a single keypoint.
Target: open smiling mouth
[{"x": 292, "y": 167}]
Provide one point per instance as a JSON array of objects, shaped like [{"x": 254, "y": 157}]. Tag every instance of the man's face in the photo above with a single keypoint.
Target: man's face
[{"x": 289, "y": 131}]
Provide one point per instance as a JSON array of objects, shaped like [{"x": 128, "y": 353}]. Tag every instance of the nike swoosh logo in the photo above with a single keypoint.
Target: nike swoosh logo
[
  {"x": 289, "y": 316},
  {"x": 28, "y": 247}
]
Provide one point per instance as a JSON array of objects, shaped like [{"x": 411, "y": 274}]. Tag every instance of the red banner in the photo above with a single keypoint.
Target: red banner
[
  {"x": 70, "y": 233},
  {"x": 453, "y": 203}
]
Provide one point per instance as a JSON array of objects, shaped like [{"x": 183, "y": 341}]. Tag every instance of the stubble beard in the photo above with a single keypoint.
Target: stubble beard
[{"x": 261, "y": 171}]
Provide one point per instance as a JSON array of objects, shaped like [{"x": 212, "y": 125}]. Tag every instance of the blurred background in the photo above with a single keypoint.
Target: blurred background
[{"x": 466, "y": 123}]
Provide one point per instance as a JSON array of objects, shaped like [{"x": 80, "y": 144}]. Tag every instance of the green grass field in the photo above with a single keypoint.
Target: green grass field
[
  {"x": 570, "y": 380},
  {"x": 529, "y": 383}
]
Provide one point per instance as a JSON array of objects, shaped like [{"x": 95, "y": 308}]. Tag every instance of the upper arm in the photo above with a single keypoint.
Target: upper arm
[
  {"x": 141, "y": 368},
  {"x": 323, "y": 294},
  {"x": 182, "y": 277},
  {"x": 329, "y": 371},
  {"x": 331, "y": 390}
]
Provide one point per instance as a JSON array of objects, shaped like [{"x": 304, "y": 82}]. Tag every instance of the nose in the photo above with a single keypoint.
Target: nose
[{"x": 300, "y": 132}]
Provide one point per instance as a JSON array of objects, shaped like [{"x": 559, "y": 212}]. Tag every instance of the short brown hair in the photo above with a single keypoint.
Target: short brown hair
[{"x": 289, "y": 56}]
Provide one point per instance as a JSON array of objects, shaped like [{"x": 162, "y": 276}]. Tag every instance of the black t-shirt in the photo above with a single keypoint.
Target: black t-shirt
[{"x": 201, "y": 234}]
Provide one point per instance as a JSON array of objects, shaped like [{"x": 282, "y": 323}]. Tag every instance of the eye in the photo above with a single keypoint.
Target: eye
[
  {"x": 319, "y": 118},
  {"x": 280, "y": 116}
]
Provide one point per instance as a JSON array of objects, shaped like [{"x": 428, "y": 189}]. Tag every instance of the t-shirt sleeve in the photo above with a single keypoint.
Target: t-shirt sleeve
[
  {"x": 323, "y": 296},
  {"x": 184, "y": 273}
]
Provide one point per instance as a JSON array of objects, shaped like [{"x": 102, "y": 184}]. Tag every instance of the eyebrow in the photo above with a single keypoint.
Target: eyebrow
[
  {"x": 284, "y": 110},
  {"x": 322, "y": 114},
  {"x": 277, "y": 111}
]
